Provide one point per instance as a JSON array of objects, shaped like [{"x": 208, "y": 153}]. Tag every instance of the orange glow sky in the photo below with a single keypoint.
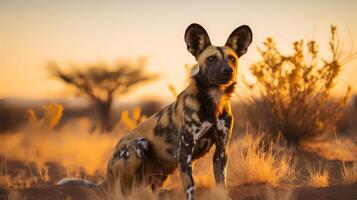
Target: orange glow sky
[{"x": 34, "y": 32}]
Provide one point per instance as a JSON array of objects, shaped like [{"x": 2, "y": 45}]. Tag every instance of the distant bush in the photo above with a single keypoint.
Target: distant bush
[
  {"x": 51, "y": 118},
  {"x": 294, "y": 90}
]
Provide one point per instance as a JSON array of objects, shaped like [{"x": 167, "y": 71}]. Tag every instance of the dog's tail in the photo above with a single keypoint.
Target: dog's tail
[{"x": 77, "y": 181}]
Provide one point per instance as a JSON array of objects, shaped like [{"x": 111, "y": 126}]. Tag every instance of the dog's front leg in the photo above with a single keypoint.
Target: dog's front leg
[
  {"x": 189, "y": 136},
  {"x": 220, "y": 158},
  {"x": 185, "y": 163}
]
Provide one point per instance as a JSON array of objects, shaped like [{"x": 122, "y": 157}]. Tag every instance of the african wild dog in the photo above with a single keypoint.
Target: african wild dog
[{"x": 187, "y": 128}]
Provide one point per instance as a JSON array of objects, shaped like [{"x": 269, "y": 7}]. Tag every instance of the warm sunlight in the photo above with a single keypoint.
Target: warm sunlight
[
  {"x": 35, "y": 32},
  {"x": 163, "y": 100}
]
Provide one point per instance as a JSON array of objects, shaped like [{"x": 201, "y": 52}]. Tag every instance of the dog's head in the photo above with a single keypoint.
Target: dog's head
[{"x": 217, "y": 65}]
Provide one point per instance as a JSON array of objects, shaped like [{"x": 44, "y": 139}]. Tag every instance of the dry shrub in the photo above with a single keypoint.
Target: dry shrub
[
  {"x": 349, "y": 173},
  {"x": 318, "y": 176},
  {"x": 294, "y": 90},
  {"x": 253, "y": 162}
]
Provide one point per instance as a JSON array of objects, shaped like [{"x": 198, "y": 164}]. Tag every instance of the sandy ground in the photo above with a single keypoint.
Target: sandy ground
[{"x": 251, "y": 192}]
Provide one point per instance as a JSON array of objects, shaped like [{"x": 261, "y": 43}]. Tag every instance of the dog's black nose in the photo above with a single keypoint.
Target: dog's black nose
[{"x": 227, "y": 70}]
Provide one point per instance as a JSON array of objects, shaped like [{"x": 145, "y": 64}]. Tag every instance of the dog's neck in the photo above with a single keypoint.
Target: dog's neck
[{"x": 213, "y": 99}]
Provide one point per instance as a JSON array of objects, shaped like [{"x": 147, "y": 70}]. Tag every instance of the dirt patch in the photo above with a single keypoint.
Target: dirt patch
[{"x": 250, "y": 192}]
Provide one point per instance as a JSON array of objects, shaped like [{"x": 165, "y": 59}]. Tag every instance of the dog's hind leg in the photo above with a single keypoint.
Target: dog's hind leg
[{"x": 126, "y": 167}]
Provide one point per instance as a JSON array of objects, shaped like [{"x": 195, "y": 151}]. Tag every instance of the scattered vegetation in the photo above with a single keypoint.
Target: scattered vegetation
[{"x": 294, "y": 90}]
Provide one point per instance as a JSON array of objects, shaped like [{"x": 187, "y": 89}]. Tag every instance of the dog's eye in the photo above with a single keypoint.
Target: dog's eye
[
  {"x": 232, "y": 59},
  {"x": 212, "y": 58}
]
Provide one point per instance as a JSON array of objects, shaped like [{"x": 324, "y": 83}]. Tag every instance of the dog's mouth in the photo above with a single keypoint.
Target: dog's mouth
[
  {"x": 225, "y": 80},
  {"x": 216, "y": 78}
]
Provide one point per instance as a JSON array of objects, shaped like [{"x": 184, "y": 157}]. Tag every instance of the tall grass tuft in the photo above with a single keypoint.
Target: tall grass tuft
[
  {"x": 349, "y": 173},
  {"x": 252, "y": 161},
  {"x": 318, "y": 176},
  {"x": 294, "y": 91}
]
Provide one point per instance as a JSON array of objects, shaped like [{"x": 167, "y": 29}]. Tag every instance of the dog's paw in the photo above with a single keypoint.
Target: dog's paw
[{"x": 228, "y": 197}]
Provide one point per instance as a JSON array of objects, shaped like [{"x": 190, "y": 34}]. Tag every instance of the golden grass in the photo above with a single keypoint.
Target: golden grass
[
  {"x": 349, "y": 173},
  {"x": 251, "y": 161},
  {"x": 254, "y": 162},
  {"x": 318, "y": 177},
  {"x": 20, "y": 180},
  {"x": 74, "y": 146}
]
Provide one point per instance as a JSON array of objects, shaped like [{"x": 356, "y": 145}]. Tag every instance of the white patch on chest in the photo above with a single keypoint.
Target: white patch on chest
[{"x": 221, "y": 125}]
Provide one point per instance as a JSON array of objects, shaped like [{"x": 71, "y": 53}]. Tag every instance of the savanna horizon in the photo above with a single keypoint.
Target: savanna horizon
[{"x": 35, "y": 34}]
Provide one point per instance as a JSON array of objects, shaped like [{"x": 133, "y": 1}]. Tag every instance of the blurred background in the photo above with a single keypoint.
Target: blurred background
[{"x": 36, "y": 35}]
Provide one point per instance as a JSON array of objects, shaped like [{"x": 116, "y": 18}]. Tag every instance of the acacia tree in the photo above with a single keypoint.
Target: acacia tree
[{"x": 102, "y": 82}]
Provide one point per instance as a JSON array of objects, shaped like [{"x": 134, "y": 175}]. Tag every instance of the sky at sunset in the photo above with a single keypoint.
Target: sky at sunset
[{"x": 35, "y": 32}]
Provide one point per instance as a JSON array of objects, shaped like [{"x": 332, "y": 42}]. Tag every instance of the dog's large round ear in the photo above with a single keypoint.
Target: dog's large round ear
[
  {"x": 240, "y": 39},
  {"x": 197, "y": 39}
]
